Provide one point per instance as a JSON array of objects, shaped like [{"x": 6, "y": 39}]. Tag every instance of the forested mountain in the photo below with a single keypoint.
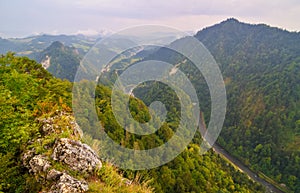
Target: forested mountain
[
  {"x": 41, "y": 149},
  {"x": 261, "y": 70},
  {"x": 36, "y": 114},
  {"x": 59, "y": 54},
  {"x": 29, "y": 46},
  {"x": 60, "y": 60},
  {"x": 188, "y": 172}
]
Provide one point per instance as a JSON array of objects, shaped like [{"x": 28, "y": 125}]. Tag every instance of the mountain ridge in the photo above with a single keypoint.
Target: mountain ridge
[
  {"x": 261, "y": 68},
  {"x": 60, "y": 60}
]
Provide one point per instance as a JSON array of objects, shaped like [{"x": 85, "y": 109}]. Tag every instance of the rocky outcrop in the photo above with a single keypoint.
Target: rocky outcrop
[
  {"x": 79, "y": 157},
  {"x": 59, "y": 122},
  {"x": 71, "y": 154},
  {"x": 46, "y": 62},
  {"x": 67, "y": 184},
  {"x": 38, "y": 164}
]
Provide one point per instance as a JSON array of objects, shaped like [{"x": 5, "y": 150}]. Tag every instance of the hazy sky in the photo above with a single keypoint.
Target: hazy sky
[{"x": 21, "y": 18}]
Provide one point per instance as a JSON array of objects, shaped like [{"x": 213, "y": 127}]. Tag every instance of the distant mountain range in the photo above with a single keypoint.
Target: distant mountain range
[
  {"x": 31, "y": 45},
  {"x": 59, "y": 54}
]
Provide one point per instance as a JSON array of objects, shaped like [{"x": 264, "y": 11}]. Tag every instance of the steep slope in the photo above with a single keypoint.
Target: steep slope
[
  {"x": 41, "y": 148},
  {"x": 60, "y": 60},
  {"x": 261, "y": 69},
  {"x": 188, "y": 172}
]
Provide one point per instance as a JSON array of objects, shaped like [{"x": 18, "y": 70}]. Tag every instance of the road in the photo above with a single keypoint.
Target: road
[{"x": 269, "y": 187}]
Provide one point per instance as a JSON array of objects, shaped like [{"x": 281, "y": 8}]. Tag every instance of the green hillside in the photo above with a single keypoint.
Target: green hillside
[
  {"x": 30, "y": 94},
  {"x": 35, "y": 112},
  {"x": 188, "y": 172},
  {"x": 60, "y": 60},
  {"x": 261, "y": 70}
]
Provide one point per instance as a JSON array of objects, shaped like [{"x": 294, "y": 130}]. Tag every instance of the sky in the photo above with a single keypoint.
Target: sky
[{"x": 21, "y": 18}]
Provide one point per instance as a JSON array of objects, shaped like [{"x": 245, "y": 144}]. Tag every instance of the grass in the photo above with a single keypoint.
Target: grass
[{"x": 108, "y": 180}]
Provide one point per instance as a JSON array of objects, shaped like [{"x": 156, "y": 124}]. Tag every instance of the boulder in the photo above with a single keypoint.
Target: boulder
[
  {"x": 54, "y": 174},
  {"x": 68, "y": 184},
  {"x": 39, "y": 163},
  {"x": 75, "y": 155},
  {"x": 79, "y": 157}
]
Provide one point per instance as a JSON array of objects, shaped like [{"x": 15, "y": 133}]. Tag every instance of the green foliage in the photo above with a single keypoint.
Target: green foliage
[
  {"x": 188, "y": 172},
  {"x": 108, "y": 180},
  {"x": 10, "y": 178},
  {"x": 261, "y": 69},
  {"x": 26, "y": 89},
  {"x": 192, "y": 172},
  {"x": 30, "y": 96},
  {"x": 64, "y": 60},
  {"x": 18, "y": 95}
]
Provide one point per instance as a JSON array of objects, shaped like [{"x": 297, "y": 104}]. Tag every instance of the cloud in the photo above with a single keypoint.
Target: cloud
[
  {"x": 88, "y": 32},
  {"x": 94, "y": 32},
  {"x": 157, "y": 8},
  {"x": 68, "y": 16}
]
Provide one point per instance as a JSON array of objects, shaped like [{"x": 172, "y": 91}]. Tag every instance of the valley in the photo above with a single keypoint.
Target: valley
[{"x": 260, "y": 65}]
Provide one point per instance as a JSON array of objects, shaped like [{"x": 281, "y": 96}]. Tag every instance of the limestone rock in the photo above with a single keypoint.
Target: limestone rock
[
  {"x": 79, "y": 157},
  {"x": 58, "y": 123},
  {"x": 27, "y": 156},
  {"x": 68, "y": 184},
  {"x": 62, "y": 182},
  {"x": 54, "y": 174},
  {"x": 71, "y": 153},
  {"x": 39, "y": 164}
]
